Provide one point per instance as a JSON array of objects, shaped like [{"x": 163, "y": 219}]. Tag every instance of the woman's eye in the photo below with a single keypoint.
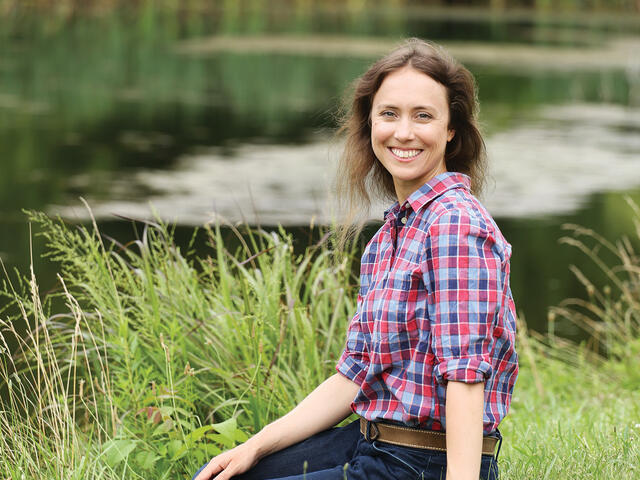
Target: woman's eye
[
  {"x": 424, "y": 116},
  {"x": 387, "y": 113}
]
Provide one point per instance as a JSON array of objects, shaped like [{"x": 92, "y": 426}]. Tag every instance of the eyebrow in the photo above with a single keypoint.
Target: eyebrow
[{"x": 418, "y": 107}]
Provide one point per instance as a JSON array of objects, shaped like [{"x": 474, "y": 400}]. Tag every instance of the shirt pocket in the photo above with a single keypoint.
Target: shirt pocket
[{"x": 396, "y": 328}]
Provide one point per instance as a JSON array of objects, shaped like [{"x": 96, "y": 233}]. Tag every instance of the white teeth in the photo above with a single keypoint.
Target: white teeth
[{"x": 405, "y": 153}]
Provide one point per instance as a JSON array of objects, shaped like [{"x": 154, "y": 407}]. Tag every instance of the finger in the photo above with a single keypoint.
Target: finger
[
  {"x": 214, "y": 466},
  {"x": 228, "y": 472}
]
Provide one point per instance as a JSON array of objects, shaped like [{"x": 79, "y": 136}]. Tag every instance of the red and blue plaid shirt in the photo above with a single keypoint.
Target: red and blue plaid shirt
[{"x": 434, "y": 306}]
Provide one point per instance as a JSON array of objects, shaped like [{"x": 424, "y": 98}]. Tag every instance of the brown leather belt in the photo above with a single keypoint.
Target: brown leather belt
[{"x": 414, "y": 437}]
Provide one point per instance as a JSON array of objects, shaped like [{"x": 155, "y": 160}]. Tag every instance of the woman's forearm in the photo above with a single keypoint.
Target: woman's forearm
[
  {"x": 324, "y": 407},
  {"x": 464, "y": 411},
  {"x": 327, "y": 405}
]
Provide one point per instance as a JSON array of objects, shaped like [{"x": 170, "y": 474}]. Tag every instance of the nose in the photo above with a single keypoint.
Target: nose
[{"x": 404, "y": 130}]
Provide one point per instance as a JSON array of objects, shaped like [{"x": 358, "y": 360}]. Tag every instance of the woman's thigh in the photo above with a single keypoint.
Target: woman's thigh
[
  {"x": 367, "y": 464},
  {"x": 325, "y": 450}
]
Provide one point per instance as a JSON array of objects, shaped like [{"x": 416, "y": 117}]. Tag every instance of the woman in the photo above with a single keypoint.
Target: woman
[{"x": 431, "y": 346}]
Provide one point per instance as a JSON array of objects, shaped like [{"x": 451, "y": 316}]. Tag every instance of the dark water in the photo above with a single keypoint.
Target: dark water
[{"x": 99, "y": 105}]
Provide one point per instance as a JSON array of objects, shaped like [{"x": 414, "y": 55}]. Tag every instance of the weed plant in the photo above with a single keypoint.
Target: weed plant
[{"x": 149, "y": 360}]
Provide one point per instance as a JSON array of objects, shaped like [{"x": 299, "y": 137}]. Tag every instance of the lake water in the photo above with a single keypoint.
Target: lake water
[{"x": 230, "y": 113}]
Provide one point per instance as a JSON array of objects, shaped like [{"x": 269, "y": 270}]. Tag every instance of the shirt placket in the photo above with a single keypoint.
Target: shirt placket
[
  {"x": 387, "y": 246},
  {"x": 398, "y": 228}
]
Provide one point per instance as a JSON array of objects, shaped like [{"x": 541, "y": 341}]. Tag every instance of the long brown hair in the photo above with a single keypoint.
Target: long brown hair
[{"x": 360, "y": 176}]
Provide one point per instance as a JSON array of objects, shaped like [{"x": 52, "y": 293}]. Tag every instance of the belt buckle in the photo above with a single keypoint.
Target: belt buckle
[{"x": 367, "y": 431}]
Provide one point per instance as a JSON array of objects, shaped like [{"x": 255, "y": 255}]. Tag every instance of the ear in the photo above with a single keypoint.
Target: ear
[{"x": 450, "y": 135}]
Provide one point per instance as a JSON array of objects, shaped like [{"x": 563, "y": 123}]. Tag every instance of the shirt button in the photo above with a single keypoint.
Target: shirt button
[{"x": 403, "y": 220}]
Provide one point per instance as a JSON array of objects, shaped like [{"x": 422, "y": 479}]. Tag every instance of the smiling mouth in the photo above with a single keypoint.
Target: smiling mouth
[{"x": 405, "y": 154}]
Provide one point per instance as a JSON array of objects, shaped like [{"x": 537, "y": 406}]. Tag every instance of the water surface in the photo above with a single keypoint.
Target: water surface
[{"x": 231, "y": 114}]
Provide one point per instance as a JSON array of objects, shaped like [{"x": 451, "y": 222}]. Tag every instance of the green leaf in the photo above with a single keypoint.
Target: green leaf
[
  {"x": 221, "y": 439},
  {"x": 227, "y": 428},
  {"x": 146, "y": 459},
  {"x": 240, "y": 436},
  {"x": 211, "y": 450},
  {"x": 162, "y": 450},
  {"x": 174, "y": 447},
  {"x": 230, "y": 431},
  {"x": 200, "y": 456},
  {"x": 115, "y": 451},
  {"x": 198, "y": 433},
  {"x": 163, "y": 428},
  {"x": 187, "y": 425}
]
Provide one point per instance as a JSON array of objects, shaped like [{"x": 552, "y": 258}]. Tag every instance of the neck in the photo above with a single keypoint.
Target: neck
[{"x": 404, "y": 190}]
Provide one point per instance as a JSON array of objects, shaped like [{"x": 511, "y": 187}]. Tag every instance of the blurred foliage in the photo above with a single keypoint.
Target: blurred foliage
[{"x": 100, "y": 6}]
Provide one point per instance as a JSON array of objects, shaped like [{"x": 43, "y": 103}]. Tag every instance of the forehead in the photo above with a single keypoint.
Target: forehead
[{"x": 408, "y": 86}]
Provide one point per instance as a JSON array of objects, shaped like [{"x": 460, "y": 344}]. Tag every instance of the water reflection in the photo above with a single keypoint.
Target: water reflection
[
  {"x": 552, "y": 165},
  {"x": 259, "y": 184},
  {"x": 52, "y": 158},
  {"x": 610, "y": 53},
  {"x": 548, "y": 165}
]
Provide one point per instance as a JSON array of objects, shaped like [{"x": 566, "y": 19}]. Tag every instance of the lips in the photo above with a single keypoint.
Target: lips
[{"x": 405, "y": 154}]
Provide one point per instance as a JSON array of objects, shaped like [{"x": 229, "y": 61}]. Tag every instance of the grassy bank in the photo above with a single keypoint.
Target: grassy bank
[{"x": 148, "y": 360}]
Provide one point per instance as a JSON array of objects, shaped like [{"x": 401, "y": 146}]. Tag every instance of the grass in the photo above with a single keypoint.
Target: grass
[
  {"x": 571, "y": 417},
  {"x": 576, "y": 408},
  {"x": 148, "y": 359},
  {"x": 151, "y": 345}
]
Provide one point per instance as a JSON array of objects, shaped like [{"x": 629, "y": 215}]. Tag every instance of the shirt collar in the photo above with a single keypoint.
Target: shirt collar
[{"x": 433, "y": 189}]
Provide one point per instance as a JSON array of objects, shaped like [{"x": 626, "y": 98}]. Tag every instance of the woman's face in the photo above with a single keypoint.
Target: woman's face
[{"x": 409, "y": 128}]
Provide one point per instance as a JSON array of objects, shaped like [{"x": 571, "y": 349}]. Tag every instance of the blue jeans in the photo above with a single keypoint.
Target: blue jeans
[{"x": 343, "y": 453}]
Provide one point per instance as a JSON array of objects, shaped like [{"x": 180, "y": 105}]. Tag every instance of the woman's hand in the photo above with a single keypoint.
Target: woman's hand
[
  {"x": 232, "y": 462},
  {"x": 327, "y": 405}
]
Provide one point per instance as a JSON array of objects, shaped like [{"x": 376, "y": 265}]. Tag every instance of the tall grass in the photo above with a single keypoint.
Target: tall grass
[
  {"x": 611, "y": 315},
  {"x": 153, "y": 344},
  {"x": 576, "y": 409},
  {"x": 148, "y": 359}
]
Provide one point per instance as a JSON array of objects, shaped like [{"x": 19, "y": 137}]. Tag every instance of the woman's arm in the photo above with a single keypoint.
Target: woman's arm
[
  {"x": 464, "y": 410},
  {"x": 327, "y": 405}
]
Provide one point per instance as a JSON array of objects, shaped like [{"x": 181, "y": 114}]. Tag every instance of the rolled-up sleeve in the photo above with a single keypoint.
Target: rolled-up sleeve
[
  {"x": 462, "y": 272},
  {"x": 354, "y": 360}
]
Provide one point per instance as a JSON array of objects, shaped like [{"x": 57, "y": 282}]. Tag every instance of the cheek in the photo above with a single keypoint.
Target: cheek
[
  {"x": 380, "y": 132},
  {"x": 433, "y": 136}
]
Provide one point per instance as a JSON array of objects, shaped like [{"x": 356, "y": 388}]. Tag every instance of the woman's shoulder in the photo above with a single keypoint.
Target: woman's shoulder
[{"x": 458, "y": 208}]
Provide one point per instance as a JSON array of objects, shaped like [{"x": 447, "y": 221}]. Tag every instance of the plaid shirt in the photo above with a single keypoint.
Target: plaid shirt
[{"x": 434, "y": 305}]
